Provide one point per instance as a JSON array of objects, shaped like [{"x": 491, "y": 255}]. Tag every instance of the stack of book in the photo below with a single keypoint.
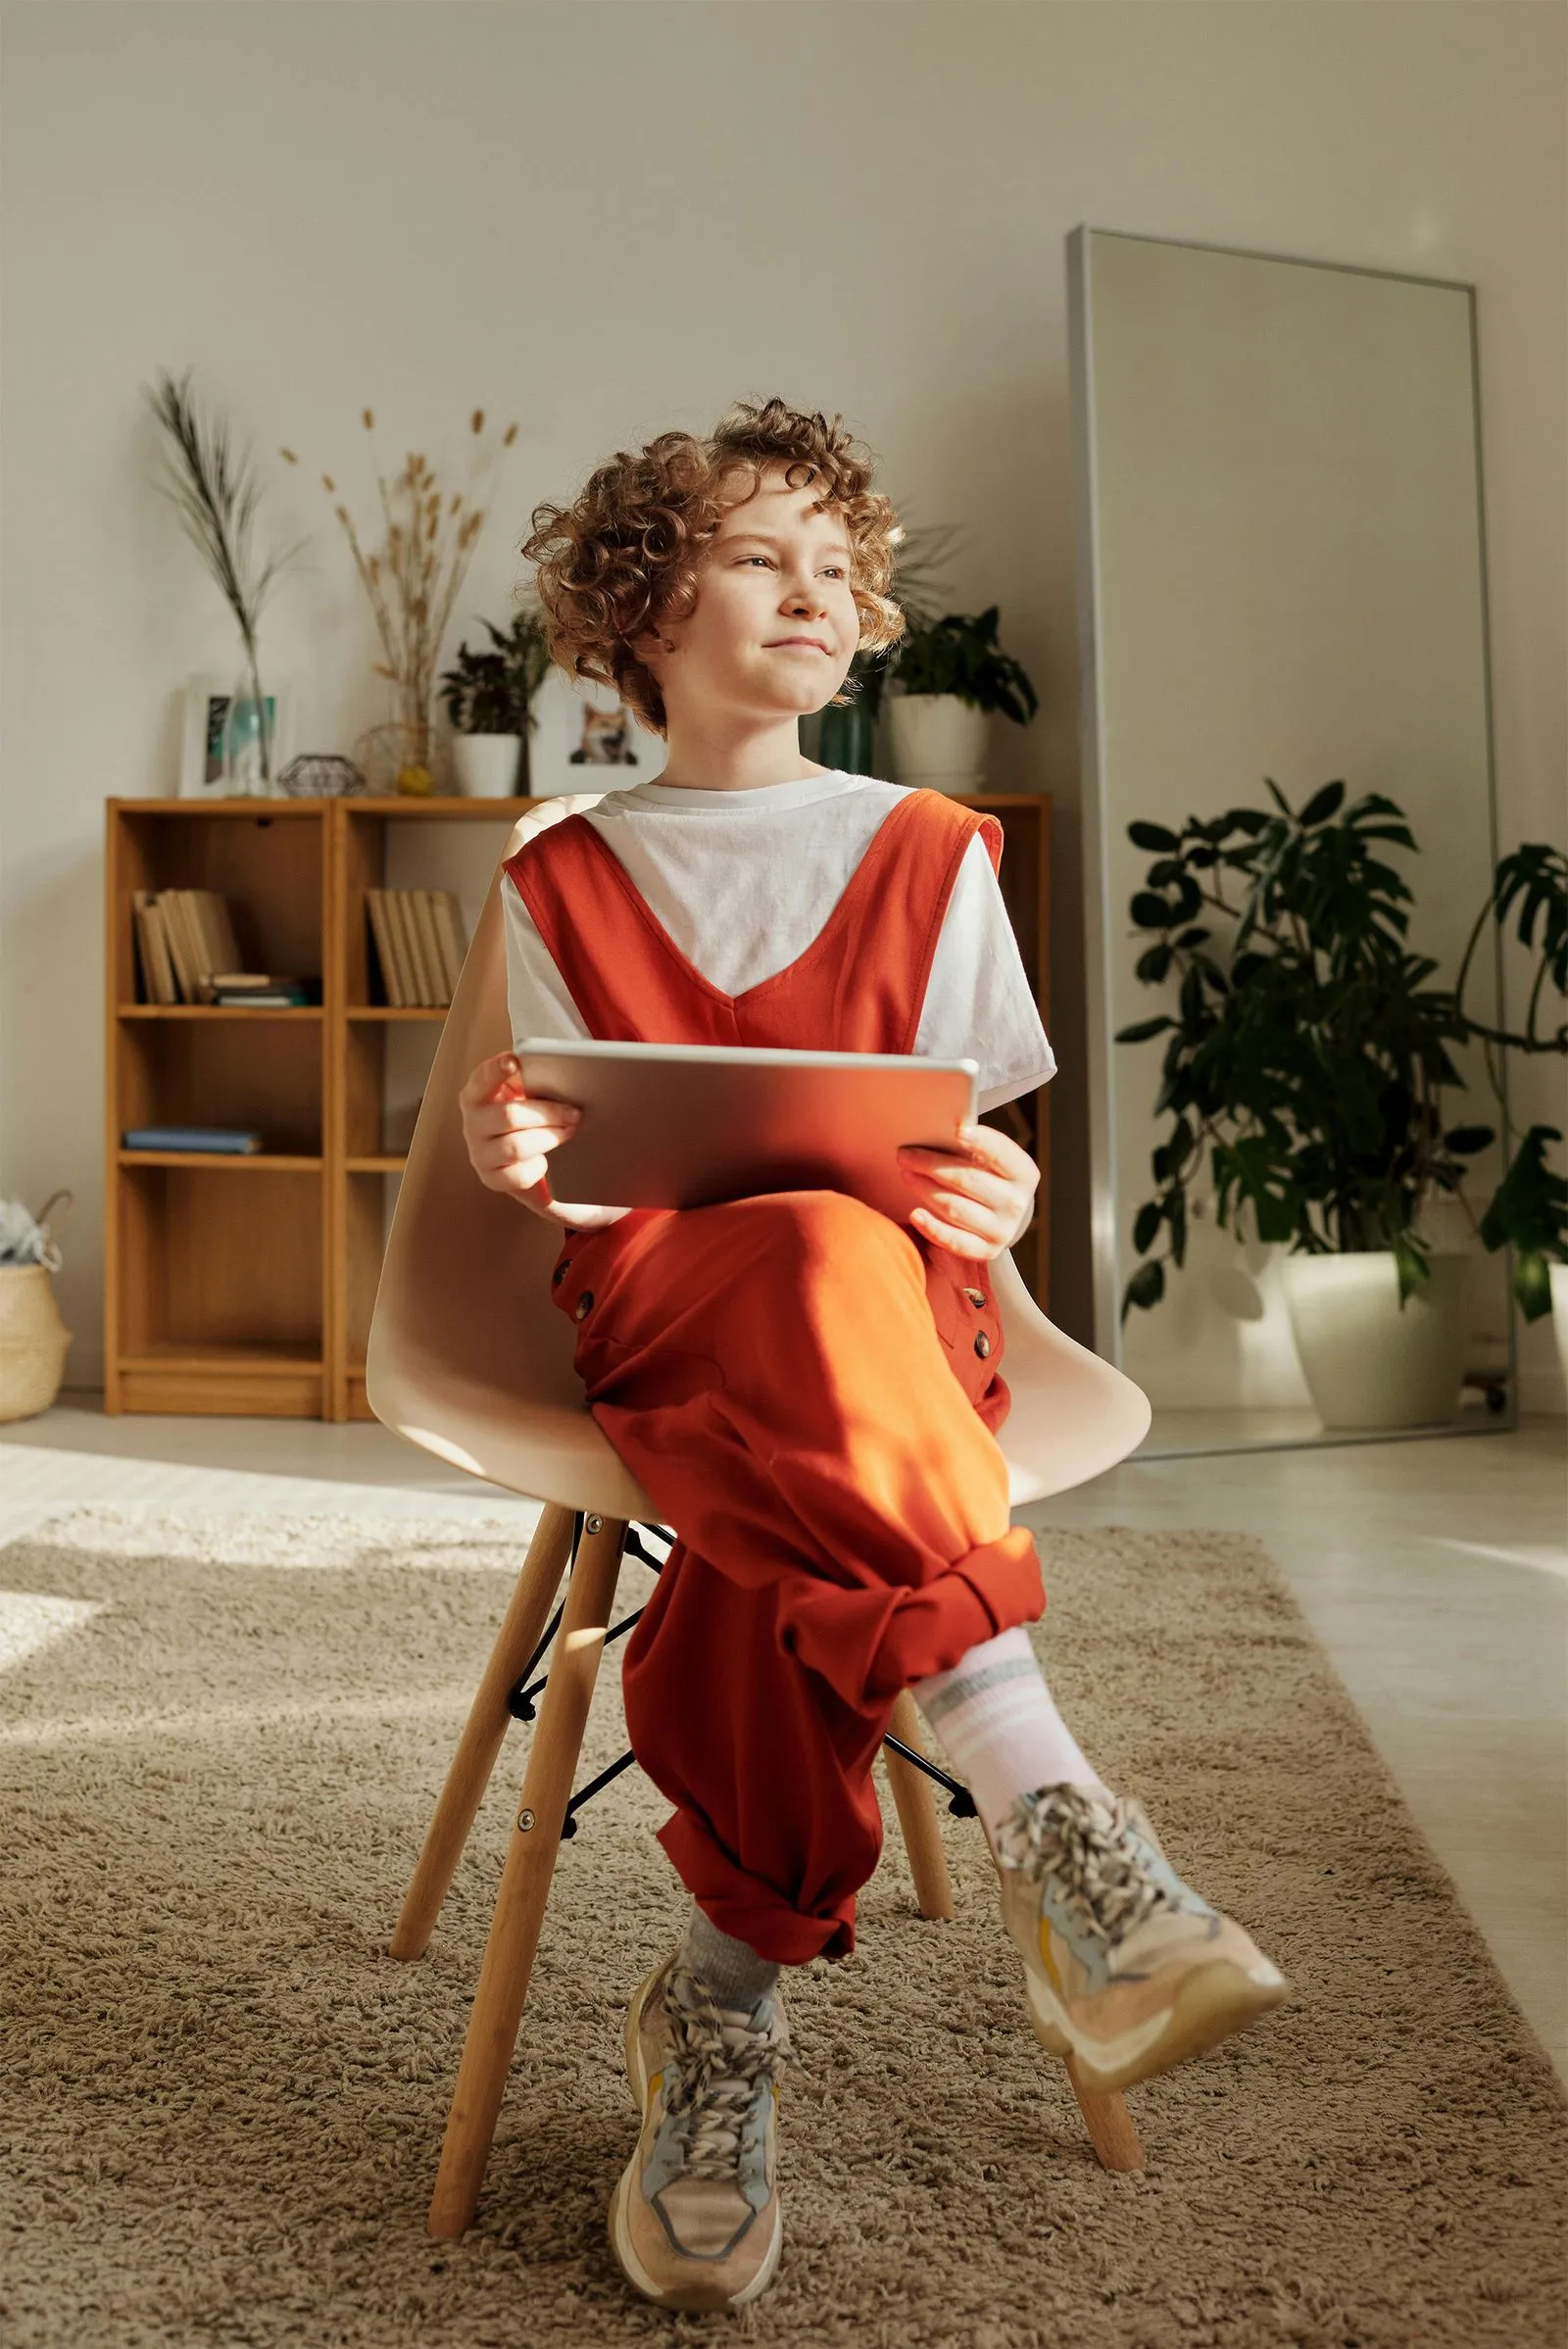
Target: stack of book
[
  {"x": 262, "y": 989},
  {"x": 418, "y": 936},
  {"x": 187, "y": 953}
]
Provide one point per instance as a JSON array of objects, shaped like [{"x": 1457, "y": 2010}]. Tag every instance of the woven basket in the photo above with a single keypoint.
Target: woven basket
[{"x": 33, "y": 1339}]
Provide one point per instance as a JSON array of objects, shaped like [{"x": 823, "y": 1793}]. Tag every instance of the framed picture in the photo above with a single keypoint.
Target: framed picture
[
  {"x": 205, "y": 707},
  {"x": 587, "y": 739}
]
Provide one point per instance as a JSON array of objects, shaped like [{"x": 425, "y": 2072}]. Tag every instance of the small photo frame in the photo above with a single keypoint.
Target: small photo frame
[
  {"x": 586, "y": 738},
  {"x": 201, "y": 756}
]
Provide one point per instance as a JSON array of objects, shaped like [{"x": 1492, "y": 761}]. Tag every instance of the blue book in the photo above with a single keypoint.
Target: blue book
[{"x": 233, "y": 1139}]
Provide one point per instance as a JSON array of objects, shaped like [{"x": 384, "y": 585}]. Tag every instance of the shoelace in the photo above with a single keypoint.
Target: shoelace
[
  {"x": 1088, "y": 1851},
  {"x": 720, "y": 2057}
]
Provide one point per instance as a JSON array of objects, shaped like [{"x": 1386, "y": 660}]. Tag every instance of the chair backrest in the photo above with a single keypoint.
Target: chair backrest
[{"x": 469, "y": 1357}]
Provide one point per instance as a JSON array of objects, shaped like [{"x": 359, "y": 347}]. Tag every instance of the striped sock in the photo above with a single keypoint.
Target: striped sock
[{"x": 999, "y": 1725}]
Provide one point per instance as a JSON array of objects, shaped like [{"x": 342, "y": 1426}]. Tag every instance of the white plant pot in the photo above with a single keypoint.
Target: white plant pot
[
  {"x": 489, "y": 765},
  {"x": 1558, "y": 1274},
  {"x": 938, "y": 743},
  {"x": 1368, "y": 1362}
]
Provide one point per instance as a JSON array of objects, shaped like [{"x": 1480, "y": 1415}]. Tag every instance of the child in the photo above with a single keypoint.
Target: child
[{"x": 809, "y": 1391}]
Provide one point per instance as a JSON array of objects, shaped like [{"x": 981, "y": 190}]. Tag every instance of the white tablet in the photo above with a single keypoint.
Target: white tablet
[{"x": 685, "y": 1125}]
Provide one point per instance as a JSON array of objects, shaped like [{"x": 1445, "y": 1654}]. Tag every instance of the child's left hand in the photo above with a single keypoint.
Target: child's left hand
[{"x": 975, "y": 1195}]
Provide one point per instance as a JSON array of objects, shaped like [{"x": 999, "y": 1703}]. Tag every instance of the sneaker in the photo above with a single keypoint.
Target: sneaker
[
  {"x": 1128, "y": 1970},
  {"x": 696, "y": 2221}
]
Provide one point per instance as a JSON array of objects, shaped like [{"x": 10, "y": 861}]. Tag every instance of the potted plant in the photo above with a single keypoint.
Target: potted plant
[
  {"x": 845, "y": 729},
  {"x": 1529, "y": 1210},
  {"x": 948, "y": 678},
  {"x": 412, "y": 580},
  {"x": 214, "y": 489},
  {"x": 33, "y": 1339},
  {"x": 488, "y": 697},
  {"x": 1306, "y": 1060}
]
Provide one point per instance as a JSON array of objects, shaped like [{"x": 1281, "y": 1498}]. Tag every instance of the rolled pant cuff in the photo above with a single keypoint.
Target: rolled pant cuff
[
  {"x": 992, "y": 1589},
  {"x": 748, "y": 1910}
]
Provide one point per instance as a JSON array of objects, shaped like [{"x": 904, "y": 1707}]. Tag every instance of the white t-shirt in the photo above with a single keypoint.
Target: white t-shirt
[{"x": 744, "y": 880}]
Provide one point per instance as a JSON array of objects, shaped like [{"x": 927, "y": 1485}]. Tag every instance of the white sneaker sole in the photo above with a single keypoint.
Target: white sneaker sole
[
  {"x": 694, "y": 2298},
  {"x": 1214, "y": 2003}
]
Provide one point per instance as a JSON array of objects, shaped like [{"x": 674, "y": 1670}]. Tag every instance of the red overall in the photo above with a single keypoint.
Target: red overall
[{"x": 809, "y": 1392}]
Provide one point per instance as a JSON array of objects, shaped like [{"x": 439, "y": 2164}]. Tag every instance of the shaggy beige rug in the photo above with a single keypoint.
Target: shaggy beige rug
[{"x": 223, "y": 2102}]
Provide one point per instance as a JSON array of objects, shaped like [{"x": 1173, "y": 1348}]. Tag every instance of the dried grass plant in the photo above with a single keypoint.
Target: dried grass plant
[
  {"x": 212, "y": 486},
  {"x": 413, "y": 579}
]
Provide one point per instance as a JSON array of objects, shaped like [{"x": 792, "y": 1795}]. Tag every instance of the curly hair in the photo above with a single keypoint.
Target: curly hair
[{"x": 625, "y": 554}]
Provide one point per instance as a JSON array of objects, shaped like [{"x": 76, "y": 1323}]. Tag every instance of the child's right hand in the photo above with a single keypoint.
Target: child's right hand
[{"x": 509, "y": 1134}]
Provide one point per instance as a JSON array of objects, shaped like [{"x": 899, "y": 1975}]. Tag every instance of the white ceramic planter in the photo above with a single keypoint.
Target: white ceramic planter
[
  {"x": 1558, "y": 1274},
  {"x": 1367, "y": 1362},
  {"x": 33, "y": 1341},
  {"x": 488, "y": 764},
  {"x": 937, "y": 742}
]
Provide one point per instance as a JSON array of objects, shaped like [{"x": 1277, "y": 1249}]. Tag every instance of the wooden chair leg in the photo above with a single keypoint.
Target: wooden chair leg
[
  {"x": 1109, "y": 2123},
  {"x": 917, "y": 1814},
  {"x": 513, "y": 1937},
  {"x": 484, "y": 1733}
]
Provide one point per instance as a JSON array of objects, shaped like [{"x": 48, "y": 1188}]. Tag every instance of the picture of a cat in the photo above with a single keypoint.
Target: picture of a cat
[{"x": 607, "y": 739}]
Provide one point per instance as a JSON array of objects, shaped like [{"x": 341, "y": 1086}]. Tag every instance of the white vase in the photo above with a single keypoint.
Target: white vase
[
  {"x": 488, "y": 764},
  {"x": 937, "y": 742},
  {"x": 1558, "y": 1275},
  {"x": 1369, "y": 1362}
]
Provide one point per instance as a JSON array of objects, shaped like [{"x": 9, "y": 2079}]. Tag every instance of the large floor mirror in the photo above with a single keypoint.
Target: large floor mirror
[{"x": 1282, "y": 580}]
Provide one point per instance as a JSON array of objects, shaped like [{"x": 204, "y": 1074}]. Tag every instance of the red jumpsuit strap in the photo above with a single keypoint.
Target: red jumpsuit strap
[{"x": 620, "y": 966}]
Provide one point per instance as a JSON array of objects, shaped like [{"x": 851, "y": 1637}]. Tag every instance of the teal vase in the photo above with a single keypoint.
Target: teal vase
[{"x": 846, "y": 737}]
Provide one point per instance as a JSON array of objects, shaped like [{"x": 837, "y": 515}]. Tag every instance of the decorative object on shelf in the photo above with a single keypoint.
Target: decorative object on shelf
[
  {"x": 844, "y": 732},
  {"x": 213, "y": 488},
  {"x": 948, "y": 678},
  {"x": 207, "y": 702},
  {"x": 1307, "y": 1056},
  {"x": 322, "y": 775},
  {"x": 588, "y": 739},
  {"x": 413, "y": 579},
  {"x": 33, "y": 1338},
  {"x": 489, "y": 700}
]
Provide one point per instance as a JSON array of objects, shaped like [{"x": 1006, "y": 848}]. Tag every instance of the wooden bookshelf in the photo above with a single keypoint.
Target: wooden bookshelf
[{"x": 245, "y": 1284}]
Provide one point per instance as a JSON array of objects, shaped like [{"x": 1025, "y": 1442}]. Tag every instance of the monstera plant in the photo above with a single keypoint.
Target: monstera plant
[{"x": 1308, "y": 1049}]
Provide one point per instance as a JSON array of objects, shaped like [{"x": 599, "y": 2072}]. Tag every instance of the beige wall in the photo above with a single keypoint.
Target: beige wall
[{"x": 611, "y": 219}]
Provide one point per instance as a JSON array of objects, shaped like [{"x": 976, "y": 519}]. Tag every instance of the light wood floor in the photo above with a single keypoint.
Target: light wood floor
[{"x": 1435, "y": 1574}]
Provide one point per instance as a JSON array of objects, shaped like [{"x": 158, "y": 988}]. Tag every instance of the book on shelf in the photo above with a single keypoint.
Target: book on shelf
[
  {"x": 237, "y": 988},
  {"x": 182, "y": 937},
  {"x": 236, "y": 1141},
  {"x": 418, "y": 936}
]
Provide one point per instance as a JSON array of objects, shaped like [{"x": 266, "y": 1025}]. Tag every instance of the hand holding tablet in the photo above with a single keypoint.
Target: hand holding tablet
[{"x": 665, "y": 1125}]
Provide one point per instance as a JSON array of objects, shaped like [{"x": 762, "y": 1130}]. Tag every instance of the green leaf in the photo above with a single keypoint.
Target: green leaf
[
  {"x": 1145, "y": 1287},
  {"x": 1142, "y": 1029},
  {"x": 1152, "y": 836},
  {"x": 1532, "y": 1284},
  {"x": 1465, "y": 1139},
  {"x": 1150, "y": 912},
  {"x": 1146, "y": 1225},
  {"x": 1321, "y": 806},
  {"x": 1153, "y": 963}
]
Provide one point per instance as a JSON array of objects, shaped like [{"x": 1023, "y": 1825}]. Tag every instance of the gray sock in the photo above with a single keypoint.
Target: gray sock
[{"x": 731, "y": 1970}]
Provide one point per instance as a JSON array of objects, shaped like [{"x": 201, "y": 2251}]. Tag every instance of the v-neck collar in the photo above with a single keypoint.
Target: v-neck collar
[{"x": 858, "y": 885}]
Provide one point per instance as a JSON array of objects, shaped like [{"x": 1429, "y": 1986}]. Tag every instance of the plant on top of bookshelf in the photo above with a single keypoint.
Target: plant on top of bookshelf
[
  {"x": 492, "y": 692},
  {"x": 215, "y": 490},
  {"x": 411, "y": 580}
]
